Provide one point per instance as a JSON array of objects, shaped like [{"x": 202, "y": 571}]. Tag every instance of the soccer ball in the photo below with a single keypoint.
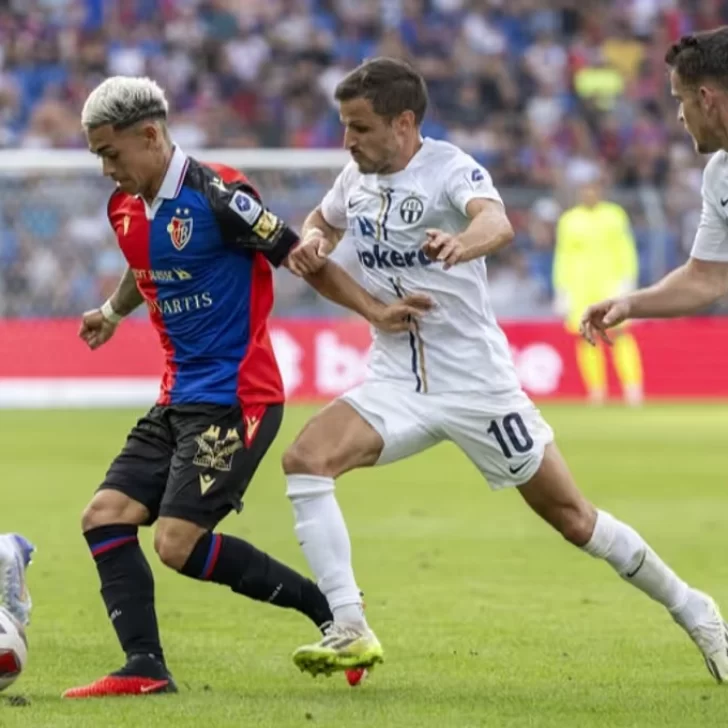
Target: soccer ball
[{"x": 13, "y": 649}]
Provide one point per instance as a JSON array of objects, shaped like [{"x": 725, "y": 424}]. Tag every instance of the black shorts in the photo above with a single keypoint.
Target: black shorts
[{"x": 193, "y": 462}]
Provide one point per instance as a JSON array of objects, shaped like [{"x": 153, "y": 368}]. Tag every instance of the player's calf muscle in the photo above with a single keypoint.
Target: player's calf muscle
[
  {"x": 109, "y": 507},
  {"x": 575, "y": 523},
  {"x": 553, "y": 495}
]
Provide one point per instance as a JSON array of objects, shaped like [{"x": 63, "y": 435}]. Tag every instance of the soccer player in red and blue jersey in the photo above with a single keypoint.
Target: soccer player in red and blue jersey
[{"x": 199, "y": 244}]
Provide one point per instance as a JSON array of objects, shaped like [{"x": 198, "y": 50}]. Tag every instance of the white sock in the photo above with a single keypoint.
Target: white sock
[
  {"x": 323, "y": 536},
  {"x": 630, "y": 556}
]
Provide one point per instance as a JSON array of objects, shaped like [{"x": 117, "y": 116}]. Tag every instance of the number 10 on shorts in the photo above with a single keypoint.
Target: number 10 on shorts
[{"x": 511, "y": 435}]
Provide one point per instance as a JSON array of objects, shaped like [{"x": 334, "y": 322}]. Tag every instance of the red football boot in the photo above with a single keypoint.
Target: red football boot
[{"x": 142, "y": 675}]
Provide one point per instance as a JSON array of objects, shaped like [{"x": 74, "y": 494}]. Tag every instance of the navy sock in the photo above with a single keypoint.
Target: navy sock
[
  {"x": 127, "y": 587},
  {"x": 246, "y": 570}
]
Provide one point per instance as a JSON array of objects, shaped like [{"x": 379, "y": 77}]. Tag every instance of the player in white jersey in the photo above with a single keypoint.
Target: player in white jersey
[
  {"x": 699, "y": 79},
  {"x": 458, "y": 346},
  {"x": 422, "y": 215}
]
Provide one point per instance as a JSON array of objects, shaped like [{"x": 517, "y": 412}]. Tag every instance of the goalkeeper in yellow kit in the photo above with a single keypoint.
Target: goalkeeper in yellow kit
[{"x": 595, "y": 259}]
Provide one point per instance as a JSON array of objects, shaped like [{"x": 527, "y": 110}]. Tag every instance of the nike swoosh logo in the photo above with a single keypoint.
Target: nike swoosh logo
[
  {"x": 518, "y": 469},
  {"x": 156, "y": 686},
  {"x": 724, "y": 202},
  {"x": 639, "y": 566}
]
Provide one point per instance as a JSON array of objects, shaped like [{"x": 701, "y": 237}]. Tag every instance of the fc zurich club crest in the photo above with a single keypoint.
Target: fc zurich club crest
[
  {"x": 411, "y": 209},
  {"x": 180, "y": 229}
]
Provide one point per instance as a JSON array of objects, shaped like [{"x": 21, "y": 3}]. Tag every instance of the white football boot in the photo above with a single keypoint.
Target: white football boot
[
  {"x": 15, "y": 557},
  {"x": 708, "y": 630}
]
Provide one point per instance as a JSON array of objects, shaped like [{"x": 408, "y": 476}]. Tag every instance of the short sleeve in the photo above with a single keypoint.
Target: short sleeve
[
  {"x": 333, "y": 206},
  {"x": 711, "y": 240},
  {"x": 467, "y": 180},
  {"x": 247, "y": 224}
]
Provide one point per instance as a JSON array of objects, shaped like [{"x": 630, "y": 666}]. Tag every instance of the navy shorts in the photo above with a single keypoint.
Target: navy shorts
[{"x": 193, "y": 462}]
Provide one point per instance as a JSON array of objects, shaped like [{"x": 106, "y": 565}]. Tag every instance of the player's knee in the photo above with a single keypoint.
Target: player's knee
[
  {"x": 110, "y": 507},
  {"x": 576, "y": 523},
  {"x": 173, "y": 551},
  {"x": 302, "y": 459},
  {"x": 174, "y": 542}
]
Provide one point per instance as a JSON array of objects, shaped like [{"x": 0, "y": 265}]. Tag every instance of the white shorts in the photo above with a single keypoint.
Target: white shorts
[{"x": 504, "y": 437}]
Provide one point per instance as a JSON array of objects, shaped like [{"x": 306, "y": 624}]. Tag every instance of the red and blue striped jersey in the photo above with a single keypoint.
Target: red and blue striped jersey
[{"x": 201, "y": 256}]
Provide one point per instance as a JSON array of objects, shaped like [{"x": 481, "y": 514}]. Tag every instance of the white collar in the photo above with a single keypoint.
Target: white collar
[{"x": 172, "y": 182}]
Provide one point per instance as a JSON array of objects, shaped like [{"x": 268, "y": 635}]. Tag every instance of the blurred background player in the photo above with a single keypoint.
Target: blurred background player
[
  {"x": 15, "y": 556},
  {"x": 595, "y": 258}
]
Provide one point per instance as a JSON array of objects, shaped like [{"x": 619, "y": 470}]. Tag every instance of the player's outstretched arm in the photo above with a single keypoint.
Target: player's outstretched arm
[
  {"x": 316, "y": 221},
  {"x": 334, "y": 283},
  {"x": 318, "y": 241},
  {"x": 489, "y": 231},
  {"x": 686, "y": 290},
  {"x": 99, "y": 324}
]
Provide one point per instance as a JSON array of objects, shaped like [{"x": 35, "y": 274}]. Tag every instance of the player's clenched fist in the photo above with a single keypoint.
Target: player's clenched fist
[
  {"x": 443, "y": 247},
  {"x": 311, "y": 253},
  {"x": 398, "y": 316},
  {"x": 602, "y": 316},
  {"x": 96, "y": 329}
]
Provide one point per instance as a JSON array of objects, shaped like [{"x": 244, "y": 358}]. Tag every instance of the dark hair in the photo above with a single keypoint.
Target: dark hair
[
  {"x": 701, "y": 56},
  {"x": 390, "y": 85}
]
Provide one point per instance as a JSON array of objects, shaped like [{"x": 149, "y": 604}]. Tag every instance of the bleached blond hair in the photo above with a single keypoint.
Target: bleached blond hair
[{"x": 123, "y": 101}]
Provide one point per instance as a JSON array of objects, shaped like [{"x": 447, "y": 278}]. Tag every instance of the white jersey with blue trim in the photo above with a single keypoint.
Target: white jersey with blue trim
[
  {"x": 711, "y": 239},
  {"x": 458, "y": 346}
]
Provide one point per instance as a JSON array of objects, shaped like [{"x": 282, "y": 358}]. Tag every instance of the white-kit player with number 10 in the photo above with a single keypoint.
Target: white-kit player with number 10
[{"x": 422, "y": 216}]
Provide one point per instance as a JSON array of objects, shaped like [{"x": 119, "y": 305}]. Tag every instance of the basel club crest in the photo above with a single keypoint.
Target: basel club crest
[{"x": 180, "y": 229}]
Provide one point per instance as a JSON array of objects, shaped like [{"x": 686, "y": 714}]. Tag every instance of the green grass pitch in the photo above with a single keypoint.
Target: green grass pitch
[{"x": 486, "y": 616}]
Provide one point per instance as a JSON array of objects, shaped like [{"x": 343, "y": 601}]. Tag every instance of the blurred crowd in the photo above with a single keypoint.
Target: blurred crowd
[{"x": 545, "y": 93}]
